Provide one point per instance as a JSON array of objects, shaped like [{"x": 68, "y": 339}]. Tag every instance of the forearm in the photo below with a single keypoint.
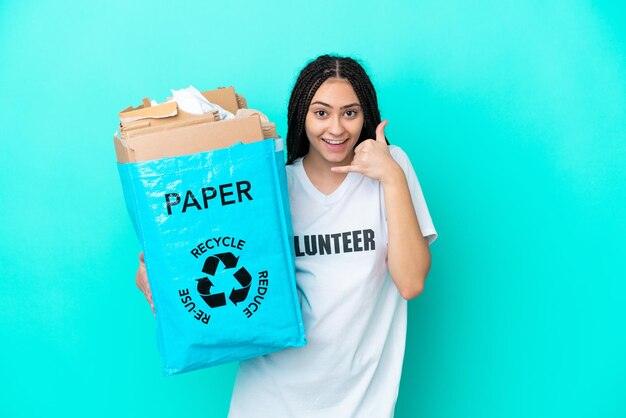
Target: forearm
[{"x": 408, "y": 254}]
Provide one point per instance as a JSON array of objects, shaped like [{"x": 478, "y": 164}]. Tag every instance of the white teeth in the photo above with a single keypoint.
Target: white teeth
[{"x": 334, "y": 142}]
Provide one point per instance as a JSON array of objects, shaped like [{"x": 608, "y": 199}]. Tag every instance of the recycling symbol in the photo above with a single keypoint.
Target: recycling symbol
[{"x": 229, "y": 261}]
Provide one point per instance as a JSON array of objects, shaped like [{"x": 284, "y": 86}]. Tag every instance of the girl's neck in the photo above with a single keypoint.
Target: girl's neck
[{"x": 318, "y": 172}]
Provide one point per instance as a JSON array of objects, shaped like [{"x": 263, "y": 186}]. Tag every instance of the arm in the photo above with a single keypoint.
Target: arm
[
  {"x": 141, "y": 280},
  {"x": 408, "y": 254}
]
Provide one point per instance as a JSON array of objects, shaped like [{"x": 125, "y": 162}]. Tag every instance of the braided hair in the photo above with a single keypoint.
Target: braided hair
[{"x": 310, "y": 79}]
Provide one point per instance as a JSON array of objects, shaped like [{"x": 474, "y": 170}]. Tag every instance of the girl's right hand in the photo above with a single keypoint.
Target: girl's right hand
[{"x": 141, "y": 279}]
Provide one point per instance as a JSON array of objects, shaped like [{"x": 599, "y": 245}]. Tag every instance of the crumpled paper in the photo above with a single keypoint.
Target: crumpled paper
[{"x": 192, "y": 101}]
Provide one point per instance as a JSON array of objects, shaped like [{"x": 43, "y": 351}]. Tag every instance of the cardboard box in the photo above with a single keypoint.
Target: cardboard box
[
  {"x": 190, "y": 139},
  {"x": 153, "y": 132}
]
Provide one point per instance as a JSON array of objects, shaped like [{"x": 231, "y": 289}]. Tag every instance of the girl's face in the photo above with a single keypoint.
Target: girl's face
[{"x": 333, "y": 123}]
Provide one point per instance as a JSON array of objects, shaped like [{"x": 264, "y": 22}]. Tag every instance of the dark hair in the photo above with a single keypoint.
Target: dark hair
[{"x": 310, "y": 79}]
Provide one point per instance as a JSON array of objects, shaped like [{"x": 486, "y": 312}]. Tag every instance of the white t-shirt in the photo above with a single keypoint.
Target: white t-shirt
[{"x": 354, "y": 316}]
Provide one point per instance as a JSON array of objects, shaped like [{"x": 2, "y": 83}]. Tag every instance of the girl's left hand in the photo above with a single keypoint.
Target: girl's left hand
[{"x": 372, "y": 158}]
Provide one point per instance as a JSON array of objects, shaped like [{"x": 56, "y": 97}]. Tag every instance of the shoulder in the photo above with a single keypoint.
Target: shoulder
[
  {"x": 398, "y": 153},
  {"x": 400, "y": 157},
  {"x": 291, "y": 170}
]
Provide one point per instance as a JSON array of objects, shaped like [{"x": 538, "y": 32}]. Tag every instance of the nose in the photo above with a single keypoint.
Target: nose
[{"x": 336, "y": 127}]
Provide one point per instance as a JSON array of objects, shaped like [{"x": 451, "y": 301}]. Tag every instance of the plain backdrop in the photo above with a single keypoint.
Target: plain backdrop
[{"x": 512, "y": 112}]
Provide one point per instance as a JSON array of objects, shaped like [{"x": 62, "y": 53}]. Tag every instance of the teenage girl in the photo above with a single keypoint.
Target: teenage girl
[{"x": 362, "y": 232}]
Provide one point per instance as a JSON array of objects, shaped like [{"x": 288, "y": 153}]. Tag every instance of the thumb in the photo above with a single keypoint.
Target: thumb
[{"x": 380, "y": 131}]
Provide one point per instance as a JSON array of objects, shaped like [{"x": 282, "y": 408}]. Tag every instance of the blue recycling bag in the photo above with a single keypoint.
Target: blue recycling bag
[{"x": 215, "y": 228}]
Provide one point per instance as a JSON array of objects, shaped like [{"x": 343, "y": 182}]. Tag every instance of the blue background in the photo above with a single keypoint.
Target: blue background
[{"x": 513, "y": 116}]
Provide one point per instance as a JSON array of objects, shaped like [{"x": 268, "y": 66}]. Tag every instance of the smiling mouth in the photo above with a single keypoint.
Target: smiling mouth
[{"x": 331, "y": 142}]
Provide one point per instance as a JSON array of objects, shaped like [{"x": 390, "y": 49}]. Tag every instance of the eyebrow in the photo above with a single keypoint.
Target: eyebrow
[{"x": 342, "y": 107}]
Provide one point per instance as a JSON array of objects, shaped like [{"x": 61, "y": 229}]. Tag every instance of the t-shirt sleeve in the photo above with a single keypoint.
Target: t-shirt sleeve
[{"x": 419, "y": 203}]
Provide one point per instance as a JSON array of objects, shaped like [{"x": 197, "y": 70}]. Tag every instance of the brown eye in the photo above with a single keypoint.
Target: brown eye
[
  {"x": 320, "y": 113},
  {"x": 351, "y": 113}
]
